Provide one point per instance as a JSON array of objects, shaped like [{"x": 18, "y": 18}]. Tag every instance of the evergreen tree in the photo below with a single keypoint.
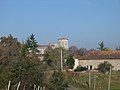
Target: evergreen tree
[
  {"x": 70, "y": 62},
  {"x": 30, "y": 47},
  {"x": 102, "y": 46}
]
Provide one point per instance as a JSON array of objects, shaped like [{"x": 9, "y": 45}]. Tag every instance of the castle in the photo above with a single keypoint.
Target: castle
[{"x": 62, "y": 42}]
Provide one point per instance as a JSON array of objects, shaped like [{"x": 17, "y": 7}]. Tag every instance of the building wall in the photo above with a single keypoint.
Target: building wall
[
  {"x": 54, "y": 45},
  {"x": 76, "y": 63},
  {"x": 41, "y": 49},
  {"x": 95, "y": 63}
]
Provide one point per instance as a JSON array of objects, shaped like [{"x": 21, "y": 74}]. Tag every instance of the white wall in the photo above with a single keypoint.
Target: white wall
[
  {"x": 95, "y": 63},
  {"x": 76, "y": 63}
]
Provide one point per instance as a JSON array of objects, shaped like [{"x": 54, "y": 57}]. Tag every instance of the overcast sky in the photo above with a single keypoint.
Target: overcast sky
[{"x": 84, "y": 22}]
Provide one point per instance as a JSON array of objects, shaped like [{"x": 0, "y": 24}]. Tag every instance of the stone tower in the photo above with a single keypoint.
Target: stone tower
[{"x": 63, "y": 42}]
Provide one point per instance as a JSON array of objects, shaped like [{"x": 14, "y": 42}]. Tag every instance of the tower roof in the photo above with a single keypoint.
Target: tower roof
[{"x": 62, "y": 39}]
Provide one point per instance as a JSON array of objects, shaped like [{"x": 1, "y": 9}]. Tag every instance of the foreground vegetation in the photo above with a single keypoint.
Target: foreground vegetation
[{"x": 19, "y": 62}]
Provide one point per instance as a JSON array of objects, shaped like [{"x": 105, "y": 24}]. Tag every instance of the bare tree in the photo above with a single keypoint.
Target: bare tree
[
  {"x": 73, "y": 49},
  {"x": 82, "y": 51}
]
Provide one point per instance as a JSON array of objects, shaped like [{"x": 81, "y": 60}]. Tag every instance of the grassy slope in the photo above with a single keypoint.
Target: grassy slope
[{"x": 80, "y": 80}]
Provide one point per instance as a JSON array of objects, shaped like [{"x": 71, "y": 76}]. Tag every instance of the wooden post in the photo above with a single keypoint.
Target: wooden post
[
  {"x": 109, "y": 82},
  {"x": 38, "y": 87},
  {"x": 9, "y": 85},
  {"x": 24, "y": 87},
  {"x": 89, "y": 79},
  {"x": 18, "y": 86},
  {"x": 43, "y": 87},
  {"x": 94, "y": 81},
  {"x": 34, "y": 87}
]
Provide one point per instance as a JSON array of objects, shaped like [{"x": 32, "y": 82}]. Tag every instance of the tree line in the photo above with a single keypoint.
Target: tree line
[
  {"x": 84, "y": 51},
  {"x": 19, "y": 62}
]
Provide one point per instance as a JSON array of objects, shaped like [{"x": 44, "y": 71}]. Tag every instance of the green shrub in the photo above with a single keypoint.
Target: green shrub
[
  {"x": 79, "y": 68},
  {"x": 104, "y": 67}
]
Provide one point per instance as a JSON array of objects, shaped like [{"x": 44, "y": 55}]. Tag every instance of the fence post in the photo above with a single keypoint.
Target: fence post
[
  {"x": 18, "y": 86},
  {"x": 38, "y": 87},
  {"x": 94, "y": 81},
  {"x": 43, "y": 87},
  {"x": 9, "y": 85},
  {"x": 24, "y": 87},
  {"x": 34, "y": 87},
  {"x": 109, "y": 82},
  {"x": 89, "y": 78}
]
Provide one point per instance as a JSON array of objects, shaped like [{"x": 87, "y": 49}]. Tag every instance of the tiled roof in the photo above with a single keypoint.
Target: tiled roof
[{"x": 113, "y": 54}]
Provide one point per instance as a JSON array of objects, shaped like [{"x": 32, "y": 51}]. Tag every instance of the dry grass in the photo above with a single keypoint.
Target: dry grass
[{"x": 80, "y": 80}]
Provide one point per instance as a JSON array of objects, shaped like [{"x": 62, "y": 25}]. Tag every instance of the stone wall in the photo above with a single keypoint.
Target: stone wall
[{"x": 94, "y": 63}]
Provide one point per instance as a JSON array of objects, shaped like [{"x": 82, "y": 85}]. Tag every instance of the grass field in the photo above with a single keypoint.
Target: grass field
[{"x": 80, "y": 80}]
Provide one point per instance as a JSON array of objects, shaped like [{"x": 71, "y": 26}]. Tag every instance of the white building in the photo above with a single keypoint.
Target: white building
[
  {"x": 54, "y": 45},
  {"x": 42, "y": 48},
  {"x": 93, "y": 59}
]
